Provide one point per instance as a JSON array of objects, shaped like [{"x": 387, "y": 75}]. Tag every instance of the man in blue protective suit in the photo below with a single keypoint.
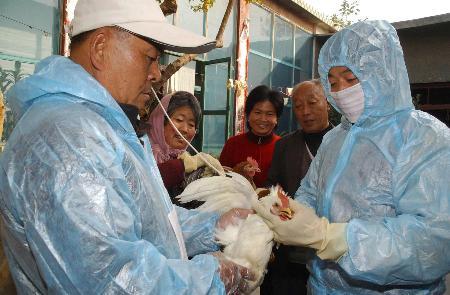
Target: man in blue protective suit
[
  {"x": 84, "y": 208},
  {"x": 375, "y": 203}
]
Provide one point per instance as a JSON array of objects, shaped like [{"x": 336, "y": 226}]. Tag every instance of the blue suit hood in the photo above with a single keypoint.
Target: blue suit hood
[{"x": 372, "y": 51}]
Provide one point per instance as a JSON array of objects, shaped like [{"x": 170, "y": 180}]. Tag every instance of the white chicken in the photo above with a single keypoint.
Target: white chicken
[{"x": 248, "y": 243}]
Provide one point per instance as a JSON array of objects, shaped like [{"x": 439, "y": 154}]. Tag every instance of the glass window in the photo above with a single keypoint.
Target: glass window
[
  {"x": 281, "y": 76},
  {"x": 29, "y": 32},
  {"x": 10, "y": 73},
  {"x": 29, "y": 29},
  {"x": 288, "y": 64},
  {"x": 303, "y": 50},
  {"x": 281, "y": 79},
  {"x": 285, "y": 124},
  {"x": 215, "y": 16},
  {"x": 216, "y": 76},
  {"x": 258, "y": 70},
  {"x": 283, "y": 43},
  {"x": 260, "y": 30},
  {"x": 187, "y": 19},
  {"x": 214, "y": 135},
  {"x": 300, "y": 76}
]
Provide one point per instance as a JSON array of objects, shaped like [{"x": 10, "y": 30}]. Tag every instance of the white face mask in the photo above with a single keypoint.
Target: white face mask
[{"x": 350, "y": 101}]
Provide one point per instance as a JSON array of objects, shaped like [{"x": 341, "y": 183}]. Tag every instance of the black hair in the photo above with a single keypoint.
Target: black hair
[
  {"x": 79, "y": 39},
  {"x": 181, "y": 99},
  {"x": 263, "y": 93}
]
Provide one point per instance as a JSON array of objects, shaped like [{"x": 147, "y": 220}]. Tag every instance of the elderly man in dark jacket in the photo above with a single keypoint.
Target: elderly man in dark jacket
[{"x": 291, "y": 159}]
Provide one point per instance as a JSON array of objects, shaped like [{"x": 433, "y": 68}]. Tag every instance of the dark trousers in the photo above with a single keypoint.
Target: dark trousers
[{"x": 284, "y": 277}]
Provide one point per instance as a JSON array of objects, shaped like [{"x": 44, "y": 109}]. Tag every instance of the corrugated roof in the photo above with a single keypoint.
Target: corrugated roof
[
  {"x": 307, "y": 11},
  {"x": 311, "y": 9}
]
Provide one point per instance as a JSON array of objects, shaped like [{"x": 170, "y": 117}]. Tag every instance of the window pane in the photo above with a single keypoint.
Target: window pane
[
  {"x": 216, "y": 76},
  {"x": 281, "y": 76},
  {"x": 281, "y": 79},
  {"x": 258, "y": 70},
  {"x": 213, "y": 133},
  {"x": 15, "y": 71},
  {"x": 215, "y": 15},
  {"x": 260, "y": 30},
  {"x": 300, "y": 76},
  {"x": 187, "y": 19},
  {"x": 283, "y": 45},
  {"x": 30, "y": 28},
  {"x": 303, "y": 50},
  {"x": 285, "y": 123},
  {"x": 29, "y": 32}
]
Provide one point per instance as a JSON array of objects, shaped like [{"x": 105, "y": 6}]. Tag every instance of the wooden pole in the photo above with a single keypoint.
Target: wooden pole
[{"x": 243, "y": 46}]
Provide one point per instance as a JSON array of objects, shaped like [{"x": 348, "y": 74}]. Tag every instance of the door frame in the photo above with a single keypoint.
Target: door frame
[{"x": 201, "y": 65}]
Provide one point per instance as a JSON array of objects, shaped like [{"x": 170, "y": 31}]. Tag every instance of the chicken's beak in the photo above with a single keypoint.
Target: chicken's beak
[
  {"x": 285, "y": 211},
  {"x": 286, "y": 214}
]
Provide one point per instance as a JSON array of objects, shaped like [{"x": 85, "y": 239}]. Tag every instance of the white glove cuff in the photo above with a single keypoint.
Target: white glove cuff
[{"x": 335, "y": 242}]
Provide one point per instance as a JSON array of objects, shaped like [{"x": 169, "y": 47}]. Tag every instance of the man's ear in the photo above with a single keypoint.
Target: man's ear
[{"x": 97, "y": 48}]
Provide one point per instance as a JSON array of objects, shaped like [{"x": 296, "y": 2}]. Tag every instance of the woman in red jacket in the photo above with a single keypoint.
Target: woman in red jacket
[{"x": 263, "y": 108}]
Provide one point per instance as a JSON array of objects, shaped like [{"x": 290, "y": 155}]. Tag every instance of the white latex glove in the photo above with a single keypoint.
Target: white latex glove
[
  {"x": 192, "y": 163},
  {"x": 306, "y": 229}
]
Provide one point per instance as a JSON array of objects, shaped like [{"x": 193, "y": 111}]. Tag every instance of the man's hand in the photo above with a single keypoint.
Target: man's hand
[
  {"x": 234, "y": 276},
  {"x": 306, "y": 229},
  {"x": 233, "y": 216}
]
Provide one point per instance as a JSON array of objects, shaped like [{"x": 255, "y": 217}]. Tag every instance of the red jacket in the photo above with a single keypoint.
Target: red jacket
[{"x": 239, "y": 147}]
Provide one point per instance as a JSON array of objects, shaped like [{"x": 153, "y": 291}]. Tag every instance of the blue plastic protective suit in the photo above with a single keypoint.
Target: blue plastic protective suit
[
  {"x": 83, "y": 205},
  {"x": 387, "y": 175}
]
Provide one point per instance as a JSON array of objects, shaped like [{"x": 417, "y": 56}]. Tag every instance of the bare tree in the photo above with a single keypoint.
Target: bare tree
[
  {"x": 346, "y": 11},
  {"x": 169, "y": 7}
]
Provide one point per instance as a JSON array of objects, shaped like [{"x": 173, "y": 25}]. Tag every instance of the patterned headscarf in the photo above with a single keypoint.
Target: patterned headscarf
[{"x": 161, "y": 150}]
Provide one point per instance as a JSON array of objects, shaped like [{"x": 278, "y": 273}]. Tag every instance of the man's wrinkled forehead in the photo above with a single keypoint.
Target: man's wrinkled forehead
[{"x": 308, "y": 90}]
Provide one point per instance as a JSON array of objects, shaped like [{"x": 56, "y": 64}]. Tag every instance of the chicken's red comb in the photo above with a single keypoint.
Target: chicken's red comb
[
  {"x": 252, "y": 162},
  {"x": 284, "y": 199}
]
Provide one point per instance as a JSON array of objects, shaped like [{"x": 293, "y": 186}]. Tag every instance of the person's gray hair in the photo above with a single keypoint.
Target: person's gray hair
[
  {"x": 183, "y": 98},
  {"x": 315, "y": 82}
]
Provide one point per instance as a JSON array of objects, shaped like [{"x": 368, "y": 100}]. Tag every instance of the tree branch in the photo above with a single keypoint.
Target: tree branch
[
  {"x": 186, "y": 58},
  {"x": 169, "y": 7},
  {"x": 223, "y": 24}
]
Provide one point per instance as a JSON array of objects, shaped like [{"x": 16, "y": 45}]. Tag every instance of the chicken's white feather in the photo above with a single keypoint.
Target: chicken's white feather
[
  {"x": 248, "y": 243},
  {"x": 220, "y": 193}
]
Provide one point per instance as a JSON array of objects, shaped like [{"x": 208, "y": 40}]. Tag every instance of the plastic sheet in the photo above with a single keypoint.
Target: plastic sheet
[
  {"x": 387, "y": 175},
  {"x": 84, "y": 206}
]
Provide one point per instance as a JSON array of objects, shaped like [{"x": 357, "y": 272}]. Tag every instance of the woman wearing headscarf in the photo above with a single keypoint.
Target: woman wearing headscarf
[
  {"x": 263, "y": 108},
  {"x": 169, "y": 149}
]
